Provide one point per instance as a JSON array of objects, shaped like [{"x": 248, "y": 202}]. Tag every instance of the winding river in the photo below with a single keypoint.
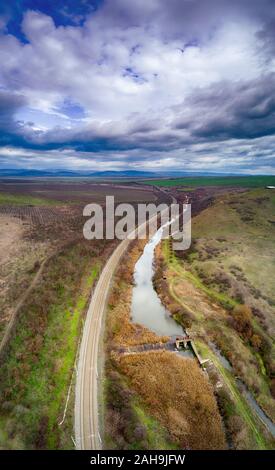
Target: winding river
[{"x": 147, "y": 308}]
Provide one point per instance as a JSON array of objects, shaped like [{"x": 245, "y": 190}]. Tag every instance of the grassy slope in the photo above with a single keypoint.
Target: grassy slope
[
  {"x": 241, "y": 181},
  {"x": 245, "y": 239},
  {"x": 242, "y": 249},
  {"x": 251, "y": 242},
  {"x": 37, "y": 371},
  {"x": 247, "y": 247}
]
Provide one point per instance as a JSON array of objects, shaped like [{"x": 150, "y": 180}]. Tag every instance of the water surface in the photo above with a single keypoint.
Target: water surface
[{"x": 147, "y": 308}]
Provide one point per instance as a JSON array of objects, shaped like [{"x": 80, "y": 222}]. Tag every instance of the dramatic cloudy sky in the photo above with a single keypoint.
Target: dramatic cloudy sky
[{"x": 145, "y": 84}]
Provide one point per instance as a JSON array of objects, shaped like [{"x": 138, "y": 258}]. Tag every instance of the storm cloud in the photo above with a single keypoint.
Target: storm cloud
[
  {"x": 151, "y": 83},
  {"x": 240, "y": 110}
]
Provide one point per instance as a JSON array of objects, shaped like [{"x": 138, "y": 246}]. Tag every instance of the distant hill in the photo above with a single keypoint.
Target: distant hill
[
  {"x": 29, "y": 173},
  {"x": 32, "y": 173},
  {"x": 11, "y": 172},
  {"x": 124, "y": 174}
]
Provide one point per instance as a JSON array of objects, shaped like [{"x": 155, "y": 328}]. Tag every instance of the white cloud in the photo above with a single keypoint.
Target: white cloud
[{"x": 132, "y": 76}]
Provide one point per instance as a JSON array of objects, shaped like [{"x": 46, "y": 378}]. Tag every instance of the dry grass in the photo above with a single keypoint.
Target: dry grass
[
  {"x": 179, "y": 395},
  {"x": 20, "y": 259}
]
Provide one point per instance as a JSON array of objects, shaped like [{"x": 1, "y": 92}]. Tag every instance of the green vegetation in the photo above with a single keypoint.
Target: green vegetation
[
  {"x": 21, "y": 199},
  {"x": 237, "y": 181},
  {"x": 157, "y": 437},
  {"x": 39, "y": 363}
]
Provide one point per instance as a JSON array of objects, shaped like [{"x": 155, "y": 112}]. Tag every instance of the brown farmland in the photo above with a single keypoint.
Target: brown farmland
[{"x": 77, "y": 191}]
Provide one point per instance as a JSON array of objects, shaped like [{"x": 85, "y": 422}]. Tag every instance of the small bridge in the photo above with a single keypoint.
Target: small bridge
[
  {"x": 183, "y": 342},
  {"x": 186, "y": 342},
  {"x": 175, "y": 344}
]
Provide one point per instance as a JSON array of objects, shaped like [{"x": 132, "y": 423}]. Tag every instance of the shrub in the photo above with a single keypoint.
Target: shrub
[
  {"x": 272, "y": 387},
  {"x": 256, "y": 342},
  {"x": 239, "y": 295},
  {"x": 242, "y": 316}
]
